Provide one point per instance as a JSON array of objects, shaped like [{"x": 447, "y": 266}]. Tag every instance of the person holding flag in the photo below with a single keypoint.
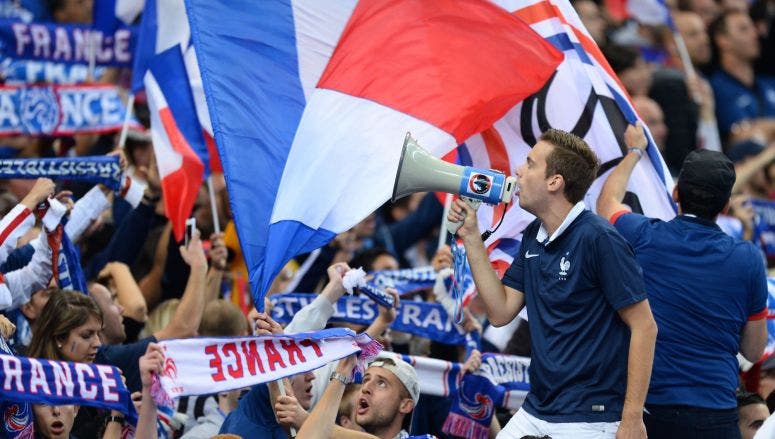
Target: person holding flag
[
  {"x": 583, "y": 291},
  {"x": 708, "y": 291}
]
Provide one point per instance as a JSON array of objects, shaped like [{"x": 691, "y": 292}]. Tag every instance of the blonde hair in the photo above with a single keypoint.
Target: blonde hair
[
  {"x": 160, "y": 317},
  {"x": 222, "y": 318}
]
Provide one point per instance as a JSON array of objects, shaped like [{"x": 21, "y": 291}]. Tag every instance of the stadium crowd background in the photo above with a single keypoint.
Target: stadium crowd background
[{"x": 142, "y": 288}]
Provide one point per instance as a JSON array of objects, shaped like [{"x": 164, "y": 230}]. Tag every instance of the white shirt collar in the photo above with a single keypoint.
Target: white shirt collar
[{"x": 572, "y": 215}]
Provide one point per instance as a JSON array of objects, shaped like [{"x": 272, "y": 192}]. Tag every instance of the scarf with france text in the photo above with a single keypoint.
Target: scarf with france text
[
  {"x": 213, "y": 365},
  {"x": 40, "y": 381}
]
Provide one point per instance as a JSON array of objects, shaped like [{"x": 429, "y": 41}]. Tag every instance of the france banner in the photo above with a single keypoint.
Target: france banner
[
  {"x": 405, "y": 281},
  {"x": 65, "y": 43},
  {"x": 22, "y": 71},
  {"x": 40, "y": 381},
  {"x": 424, "y": 319},
  {"x": 443, "y": 378},
  {"x": 60, "y": 110},
  {"x": 201, "y": 366},
  {"x": 100, "y": 169},
  {"x": 334, "y": 87}
]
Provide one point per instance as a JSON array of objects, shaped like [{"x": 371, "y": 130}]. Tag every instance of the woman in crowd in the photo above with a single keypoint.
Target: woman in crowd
[{"x": 69, "y": 330}]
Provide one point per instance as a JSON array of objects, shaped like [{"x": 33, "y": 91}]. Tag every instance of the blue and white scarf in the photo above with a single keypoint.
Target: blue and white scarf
[
  {"x": 16, "y": 416},
  {"x": 40, "y": 381},
  {"x": 66, "y": 43},
  {"x": 424, "y": 319},
  {"x": 96, "y": 169},
  {"x": 60, "y": 110}
]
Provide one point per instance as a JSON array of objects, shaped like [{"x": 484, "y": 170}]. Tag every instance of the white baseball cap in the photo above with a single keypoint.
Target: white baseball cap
[{"x": 403, "y": 371}]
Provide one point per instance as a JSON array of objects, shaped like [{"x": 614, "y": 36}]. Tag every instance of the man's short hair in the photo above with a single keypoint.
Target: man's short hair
[
  {"x": 222, "y": 318},
  {"x": 748, "y": 398},
  {"x": 574, "y": 160},
  {"x": 620, "y": 57},
  {"x": 705, "y": 183},
  {"x": 347, "y": 405}
]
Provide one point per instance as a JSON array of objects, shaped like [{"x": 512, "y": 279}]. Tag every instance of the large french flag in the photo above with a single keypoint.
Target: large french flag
[
  {"x": 583, "y": 96},
  {"x": 310, "y": 102},
  {"x": 177, "y": 136}
]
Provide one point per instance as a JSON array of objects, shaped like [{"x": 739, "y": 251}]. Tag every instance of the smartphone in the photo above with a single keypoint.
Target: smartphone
[{"x": 190, "y": 227}]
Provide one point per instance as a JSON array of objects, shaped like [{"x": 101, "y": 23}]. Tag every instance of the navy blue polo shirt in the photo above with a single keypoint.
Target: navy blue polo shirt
[
  {"x": 573, "y": 286},
  {"x": 703, "y": 287}
]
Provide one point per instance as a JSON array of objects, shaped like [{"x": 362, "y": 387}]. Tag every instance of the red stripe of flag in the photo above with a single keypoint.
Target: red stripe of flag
[
  {"x": 435, "y": 61},
  {"x": 182, "y": 186},
  {"x": 14, "y": 224}
]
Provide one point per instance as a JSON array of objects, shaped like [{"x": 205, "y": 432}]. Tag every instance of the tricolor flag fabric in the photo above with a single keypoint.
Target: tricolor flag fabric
[
  {"x": 108, "y": 15},
  {"x": 177, "y": 137},
  {"x": 165, "y": 24},
  {"x": 583, "y": 96},
  {"x": 310, "y": 130},
  {"x": 650, "y": 12}
]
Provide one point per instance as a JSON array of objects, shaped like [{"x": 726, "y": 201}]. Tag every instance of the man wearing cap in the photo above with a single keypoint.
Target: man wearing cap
[
  {"x": 387, "y": 397},
  {"x": 707, "y": 291}
]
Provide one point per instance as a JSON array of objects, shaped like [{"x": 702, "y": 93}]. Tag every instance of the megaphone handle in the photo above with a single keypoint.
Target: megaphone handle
[{"x": 453, "y": 227}]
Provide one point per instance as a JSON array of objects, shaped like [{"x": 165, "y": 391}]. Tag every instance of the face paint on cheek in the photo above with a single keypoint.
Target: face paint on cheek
[{"x": 72, "y": 347}]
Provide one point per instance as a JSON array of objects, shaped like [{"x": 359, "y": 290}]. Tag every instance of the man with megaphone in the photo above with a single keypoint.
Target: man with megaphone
[{"x": 591, "y": 327}]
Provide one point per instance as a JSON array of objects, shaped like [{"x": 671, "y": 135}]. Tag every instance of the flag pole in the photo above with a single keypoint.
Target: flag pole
[
  {"x": 130, "y": 103},
  {"x": 686, "y": 60},
  {"x": 281, "y": 386},
  {"x": 213, "y": 206},
  {"x": 443, "y": 228},
  {"x": 92, "y": 56}
]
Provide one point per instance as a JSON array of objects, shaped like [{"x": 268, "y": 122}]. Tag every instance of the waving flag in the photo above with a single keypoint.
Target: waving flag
[
  {"x": 177, "y": 137},
  {"x": 109, "y": 15},
  {"x": 164, "y": 25},
  {"x": 310, "y": 130},
  {"x": 583, "y": 96}
]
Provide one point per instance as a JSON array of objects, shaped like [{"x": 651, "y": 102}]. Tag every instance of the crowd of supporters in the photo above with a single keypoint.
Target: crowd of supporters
[{"x": 142, "y": 286}]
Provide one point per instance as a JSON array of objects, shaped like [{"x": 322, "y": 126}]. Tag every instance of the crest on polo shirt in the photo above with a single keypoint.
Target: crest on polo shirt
[{"x": 564, "y": 266}]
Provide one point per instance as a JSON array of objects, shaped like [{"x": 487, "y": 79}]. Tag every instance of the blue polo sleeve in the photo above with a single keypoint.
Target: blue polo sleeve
[
  {"x": 757, "y": 291},
  {"x": 620, "y": 276},
  {"x": 514, "y": 276},
  {"x": 632, "y": 226},
  {"x": 126, "y": 357}
]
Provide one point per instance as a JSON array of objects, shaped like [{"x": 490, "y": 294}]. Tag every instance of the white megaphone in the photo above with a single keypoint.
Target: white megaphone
[{"x": 418, "y": 171}]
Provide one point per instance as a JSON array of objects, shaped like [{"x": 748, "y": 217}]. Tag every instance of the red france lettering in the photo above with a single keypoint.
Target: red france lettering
[
  {"x": 215, "y": 363},
  {"x": 272, "y": 356},
  {"x": 312, "y": 344},
  {"x": 252, "y": 359},
  {"x": 293, "y": 350},
  {"x": 230, "y": 349}
]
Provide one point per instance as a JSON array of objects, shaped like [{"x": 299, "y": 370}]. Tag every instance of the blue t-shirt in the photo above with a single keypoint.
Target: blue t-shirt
[
  {"x": 573, "y": 288},
  {"x": 735, "y": 102},
  {"x": 126, "y": 357},
  {"x": 254, "y": 416},
  {"x": 702, "y": 286}
]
